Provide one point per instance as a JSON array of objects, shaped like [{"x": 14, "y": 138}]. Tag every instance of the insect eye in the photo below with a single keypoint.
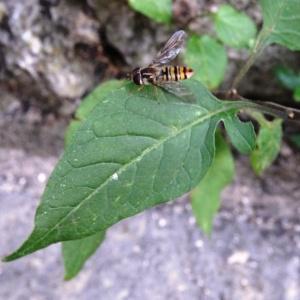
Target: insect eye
[{"x": 137, "y": 78}]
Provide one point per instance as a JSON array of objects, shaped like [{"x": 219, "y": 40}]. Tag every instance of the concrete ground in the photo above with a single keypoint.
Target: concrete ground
[{"x": 253, "y": 254}]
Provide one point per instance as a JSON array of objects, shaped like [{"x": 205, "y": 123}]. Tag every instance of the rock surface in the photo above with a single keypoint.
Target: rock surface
[{"x": 53, "y": 52}]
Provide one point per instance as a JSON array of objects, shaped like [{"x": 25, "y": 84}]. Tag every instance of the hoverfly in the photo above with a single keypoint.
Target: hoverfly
[{"x": 160, "y": 73}]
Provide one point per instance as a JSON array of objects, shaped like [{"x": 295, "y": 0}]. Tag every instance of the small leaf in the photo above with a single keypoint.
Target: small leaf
[
  {"x": 268, "y": 143},
  {"x": 131, "y": 153},
  {"x": 282, "y": 22},
  {"x": 77, "y": 252},
  {"x": 88, "y": 105},
  {"x": 241, "y": 134},
  {"x": 206, "y": 196},
  {"x": 208, "y": 58},
  {"x": 297, "y": 94},
  {"x": 158, "y": 10},
  {"x": 234, "y": 28},
  {"x": 296, "y": 139},
  {"x": 288, "y": 78}
]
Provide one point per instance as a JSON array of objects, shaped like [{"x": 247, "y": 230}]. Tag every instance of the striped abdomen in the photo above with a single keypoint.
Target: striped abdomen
[{"x": 175, "y": 73}]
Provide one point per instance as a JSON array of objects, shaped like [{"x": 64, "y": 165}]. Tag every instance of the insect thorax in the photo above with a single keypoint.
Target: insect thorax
[{"x": 149, "y": 75}]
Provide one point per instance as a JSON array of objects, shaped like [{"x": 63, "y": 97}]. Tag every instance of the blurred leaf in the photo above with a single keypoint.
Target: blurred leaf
[
  {"x": 268, "y": 143},
  {"x": 206, "y": 196},
  {"x": 158, "y": 10},
  {"x": 131, "y": 153},
  {"x": 234, "y": 28},
  {"x": 288, "y": 78},
  {"x": 241, "y": 134},
  {"x": 88, "y": 104},
  {"x": 208, "y": 58},
  {"x": 282, "y": 22},
  {"x": 76, "y": 253},
  {"x": 296, "y": 139},
  {"x": 297, "y": 94}
]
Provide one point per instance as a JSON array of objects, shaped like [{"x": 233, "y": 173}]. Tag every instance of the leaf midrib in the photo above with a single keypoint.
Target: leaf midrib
[{"x": 226, "y": 107}]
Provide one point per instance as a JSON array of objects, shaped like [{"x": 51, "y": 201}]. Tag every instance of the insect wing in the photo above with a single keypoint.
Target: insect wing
[
  {"x": 178, "y": 89},
  {"x": 171, "y": 49}
]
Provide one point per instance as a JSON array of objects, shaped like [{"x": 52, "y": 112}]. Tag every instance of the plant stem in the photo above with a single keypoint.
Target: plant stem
[
  {"x": 271, "y": 108},
  {"x": 255, "y": 52}
]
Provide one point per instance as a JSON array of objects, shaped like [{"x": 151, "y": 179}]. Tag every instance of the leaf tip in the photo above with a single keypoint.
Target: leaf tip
[
  {"x": 4, "y": 259},
  {"x": 15, "y": 255},
  {"x": 206, "y": 228},
  {"x": 68, "y": 277},
  {"x": 9, "y": 257}
]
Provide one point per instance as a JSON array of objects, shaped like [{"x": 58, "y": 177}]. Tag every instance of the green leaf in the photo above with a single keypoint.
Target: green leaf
[
  {"x": 76, "y": 253},
  {"x": 157, "y": 10},
  {"x": 88, "y": 105},
  {"x": 206, "y": 196},
  {"x": 268, "y": 143},
  {"x": 288, "y": 78},
  {"x": 131, "y": 153},
  {"x": 282, "y": 22},
  {"x": 241, "y": 134},
  {"x": 234, "y": 28},
  {"x": 296, "y": 139},
  {"x": 297, "y": 94},
  {"x": 281, "y": 26},
  {"x": 208, "y": 59}
]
